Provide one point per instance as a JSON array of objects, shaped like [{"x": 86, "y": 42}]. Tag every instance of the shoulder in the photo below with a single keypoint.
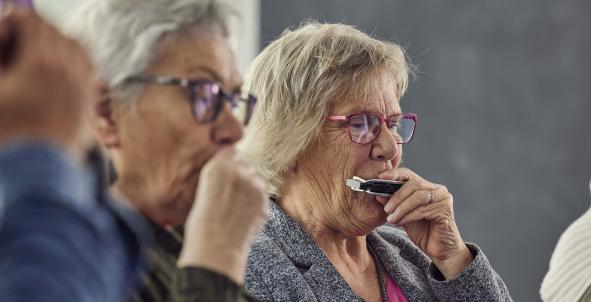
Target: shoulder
[
  {"x": 569, "y": 264},
  {"x": 264, "y": 254},
  {"x": 577, "y": 234},
  {"x": 265, "y": 262}
]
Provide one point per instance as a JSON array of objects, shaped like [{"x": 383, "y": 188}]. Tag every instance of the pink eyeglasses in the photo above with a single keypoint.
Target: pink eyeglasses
[{"x": 364, "y": 127}]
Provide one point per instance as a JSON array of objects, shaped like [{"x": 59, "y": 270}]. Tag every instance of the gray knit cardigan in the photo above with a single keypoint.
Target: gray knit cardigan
[{"x": 286, "y": 265}]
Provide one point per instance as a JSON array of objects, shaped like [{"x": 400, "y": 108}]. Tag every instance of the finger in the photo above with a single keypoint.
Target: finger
[
  {"x": 252, "y": 172},
  {"x": 401, "y": 174},
  {"x": 227, "y": 153},
  {"x": 406, "y": 191},
  {"x": 247, "y": 172},
  {"x": 420, "y": 197},
  {"x": 428, "y": 212},
  {"x": 416, "y": 199},
  {"x": 261, "y": 185},
  {"x": 383, "y": 200}
]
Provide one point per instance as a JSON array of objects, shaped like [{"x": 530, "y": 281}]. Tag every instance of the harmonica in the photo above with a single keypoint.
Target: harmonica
[{"x": 377, "y": 187}]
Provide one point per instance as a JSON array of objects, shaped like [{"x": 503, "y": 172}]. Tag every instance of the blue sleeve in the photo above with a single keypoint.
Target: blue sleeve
[{"x": 58, "y": 242}]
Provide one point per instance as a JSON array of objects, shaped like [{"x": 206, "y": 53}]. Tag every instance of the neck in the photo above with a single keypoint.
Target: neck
[
  {"x": 339, "y": 247},
  {"x": 128, "y": 197},
  {"x": 349, "y": 251}
]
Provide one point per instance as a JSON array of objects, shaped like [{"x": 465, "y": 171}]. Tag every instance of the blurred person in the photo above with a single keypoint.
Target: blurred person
[
  {"x": 167, "y": 125},
  {"x": 329, "y": 109},
  {"x": 569, "y": 274},
  {"x": 61, "y": 239}
]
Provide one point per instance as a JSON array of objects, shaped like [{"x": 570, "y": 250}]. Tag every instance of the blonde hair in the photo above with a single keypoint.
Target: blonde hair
[{"x": 297, "y": 77}]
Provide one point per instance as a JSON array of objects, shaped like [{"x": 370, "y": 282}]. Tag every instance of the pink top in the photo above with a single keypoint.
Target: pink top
[{"x": 394, "y": 292}]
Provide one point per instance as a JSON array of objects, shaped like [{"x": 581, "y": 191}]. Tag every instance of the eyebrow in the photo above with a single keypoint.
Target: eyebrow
[
  {"x": 359, "y": 109},
  {"x": 213, "y": 74},
  {"x": 203, "y": 68}
]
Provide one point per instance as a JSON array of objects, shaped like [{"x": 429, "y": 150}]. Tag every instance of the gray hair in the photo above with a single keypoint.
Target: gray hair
[
  {"x": 123, "y": 36},
  {"x": 298, "y": 76}
]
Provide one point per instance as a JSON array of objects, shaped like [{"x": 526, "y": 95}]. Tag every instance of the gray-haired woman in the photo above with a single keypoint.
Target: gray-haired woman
[
  {"x": 168, "y": 128},
  {"x": 329, "y": 109}
]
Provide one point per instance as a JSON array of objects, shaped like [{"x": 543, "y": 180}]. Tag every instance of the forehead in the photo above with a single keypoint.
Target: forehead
[
  {"x": 377, "y": 95},
  {"x": 197, "y": 56}
]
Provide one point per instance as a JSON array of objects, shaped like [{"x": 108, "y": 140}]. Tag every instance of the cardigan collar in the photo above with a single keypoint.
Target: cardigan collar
[{"x": 321, "y": 275}]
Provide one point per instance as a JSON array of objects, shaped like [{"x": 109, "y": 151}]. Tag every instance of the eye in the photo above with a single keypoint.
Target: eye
[
  {"x": 393, "y": 125},
  {"x": 355, "y": 125}
]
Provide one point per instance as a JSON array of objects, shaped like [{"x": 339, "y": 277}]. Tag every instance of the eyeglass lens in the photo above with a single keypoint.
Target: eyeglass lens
[
  {"x": 364, "y": 128},
  {"x": 208, "y": 101}
]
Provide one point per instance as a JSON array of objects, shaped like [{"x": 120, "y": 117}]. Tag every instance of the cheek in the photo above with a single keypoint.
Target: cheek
[
  {"x": 177, "y": 137},
  {"x": 188, "y": 149},
  {"x": 359, "y": 156},
  {"x": 137, "y": 139},
  {"x": 165, "y": 143},
  {"x": 347, "y": 161},
  {"x": 341, "y": 160}
]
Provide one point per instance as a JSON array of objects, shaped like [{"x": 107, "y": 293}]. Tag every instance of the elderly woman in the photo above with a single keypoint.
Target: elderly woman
[
  {"x": 329, "y": 109},
  {"x": 168, "y": 128}
]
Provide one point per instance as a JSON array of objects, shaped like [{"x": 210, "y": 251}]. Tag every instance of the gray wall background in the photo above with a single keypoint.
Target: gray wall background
[{"x": 503, "y": 100}]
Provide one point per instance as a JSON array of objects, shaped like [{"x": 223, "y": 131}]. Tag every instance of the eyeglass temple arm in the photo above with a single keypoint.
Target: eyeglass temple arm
[
  {"x": 337, "y": 118},
  {"x": 159, "y": 80}
]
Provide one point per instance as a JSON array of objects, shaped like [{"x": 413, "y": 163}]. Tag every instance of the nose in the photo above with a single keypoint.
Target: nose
[
  {"x": 385, "y": 147},
  {"x": 227, "y": 129}
]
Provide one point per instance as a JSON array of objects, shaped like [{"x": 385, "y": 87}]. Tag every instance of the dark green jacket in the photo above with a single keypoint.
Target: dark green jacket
[{"x": 165, "y": 282}]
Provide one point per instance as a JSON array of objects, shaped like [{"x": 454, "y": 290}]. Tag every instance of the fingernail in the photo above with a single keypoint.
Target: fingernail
[
  {"x": 389, "y": 207},
  {"x": 391, "y": 218}
]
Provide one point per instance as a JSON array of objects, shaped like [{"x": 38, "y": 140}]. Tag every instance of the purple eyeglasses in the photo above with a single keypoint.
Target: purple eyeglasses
[
  {"x": 207, "y": 97},
  {"x": 6, "y": 5},
  {"x": 364, "y": 127}
]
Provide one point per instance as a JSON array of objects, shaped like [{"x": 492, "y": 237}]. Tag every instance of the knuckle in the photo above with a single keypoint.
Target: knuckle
[
  {"x": 448, "y": 196},
  {"x": 422, "y": 210},
  {"x": 446, "y": 221}
]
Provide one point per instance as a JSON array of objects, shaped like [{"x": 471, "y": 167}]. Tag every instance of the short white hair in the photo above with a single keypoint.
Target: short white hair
[
  {"x": 298, "y": 76},
  {"x": 122, "y": 36}
]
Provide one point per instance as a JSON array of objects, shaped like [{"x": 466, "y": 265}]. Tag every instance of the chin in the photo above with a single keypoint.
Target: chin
[
  {"x": 184, "y": 205},
  {"x": 175, "y": 210},
  {"x": 371, "y": 213}
]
